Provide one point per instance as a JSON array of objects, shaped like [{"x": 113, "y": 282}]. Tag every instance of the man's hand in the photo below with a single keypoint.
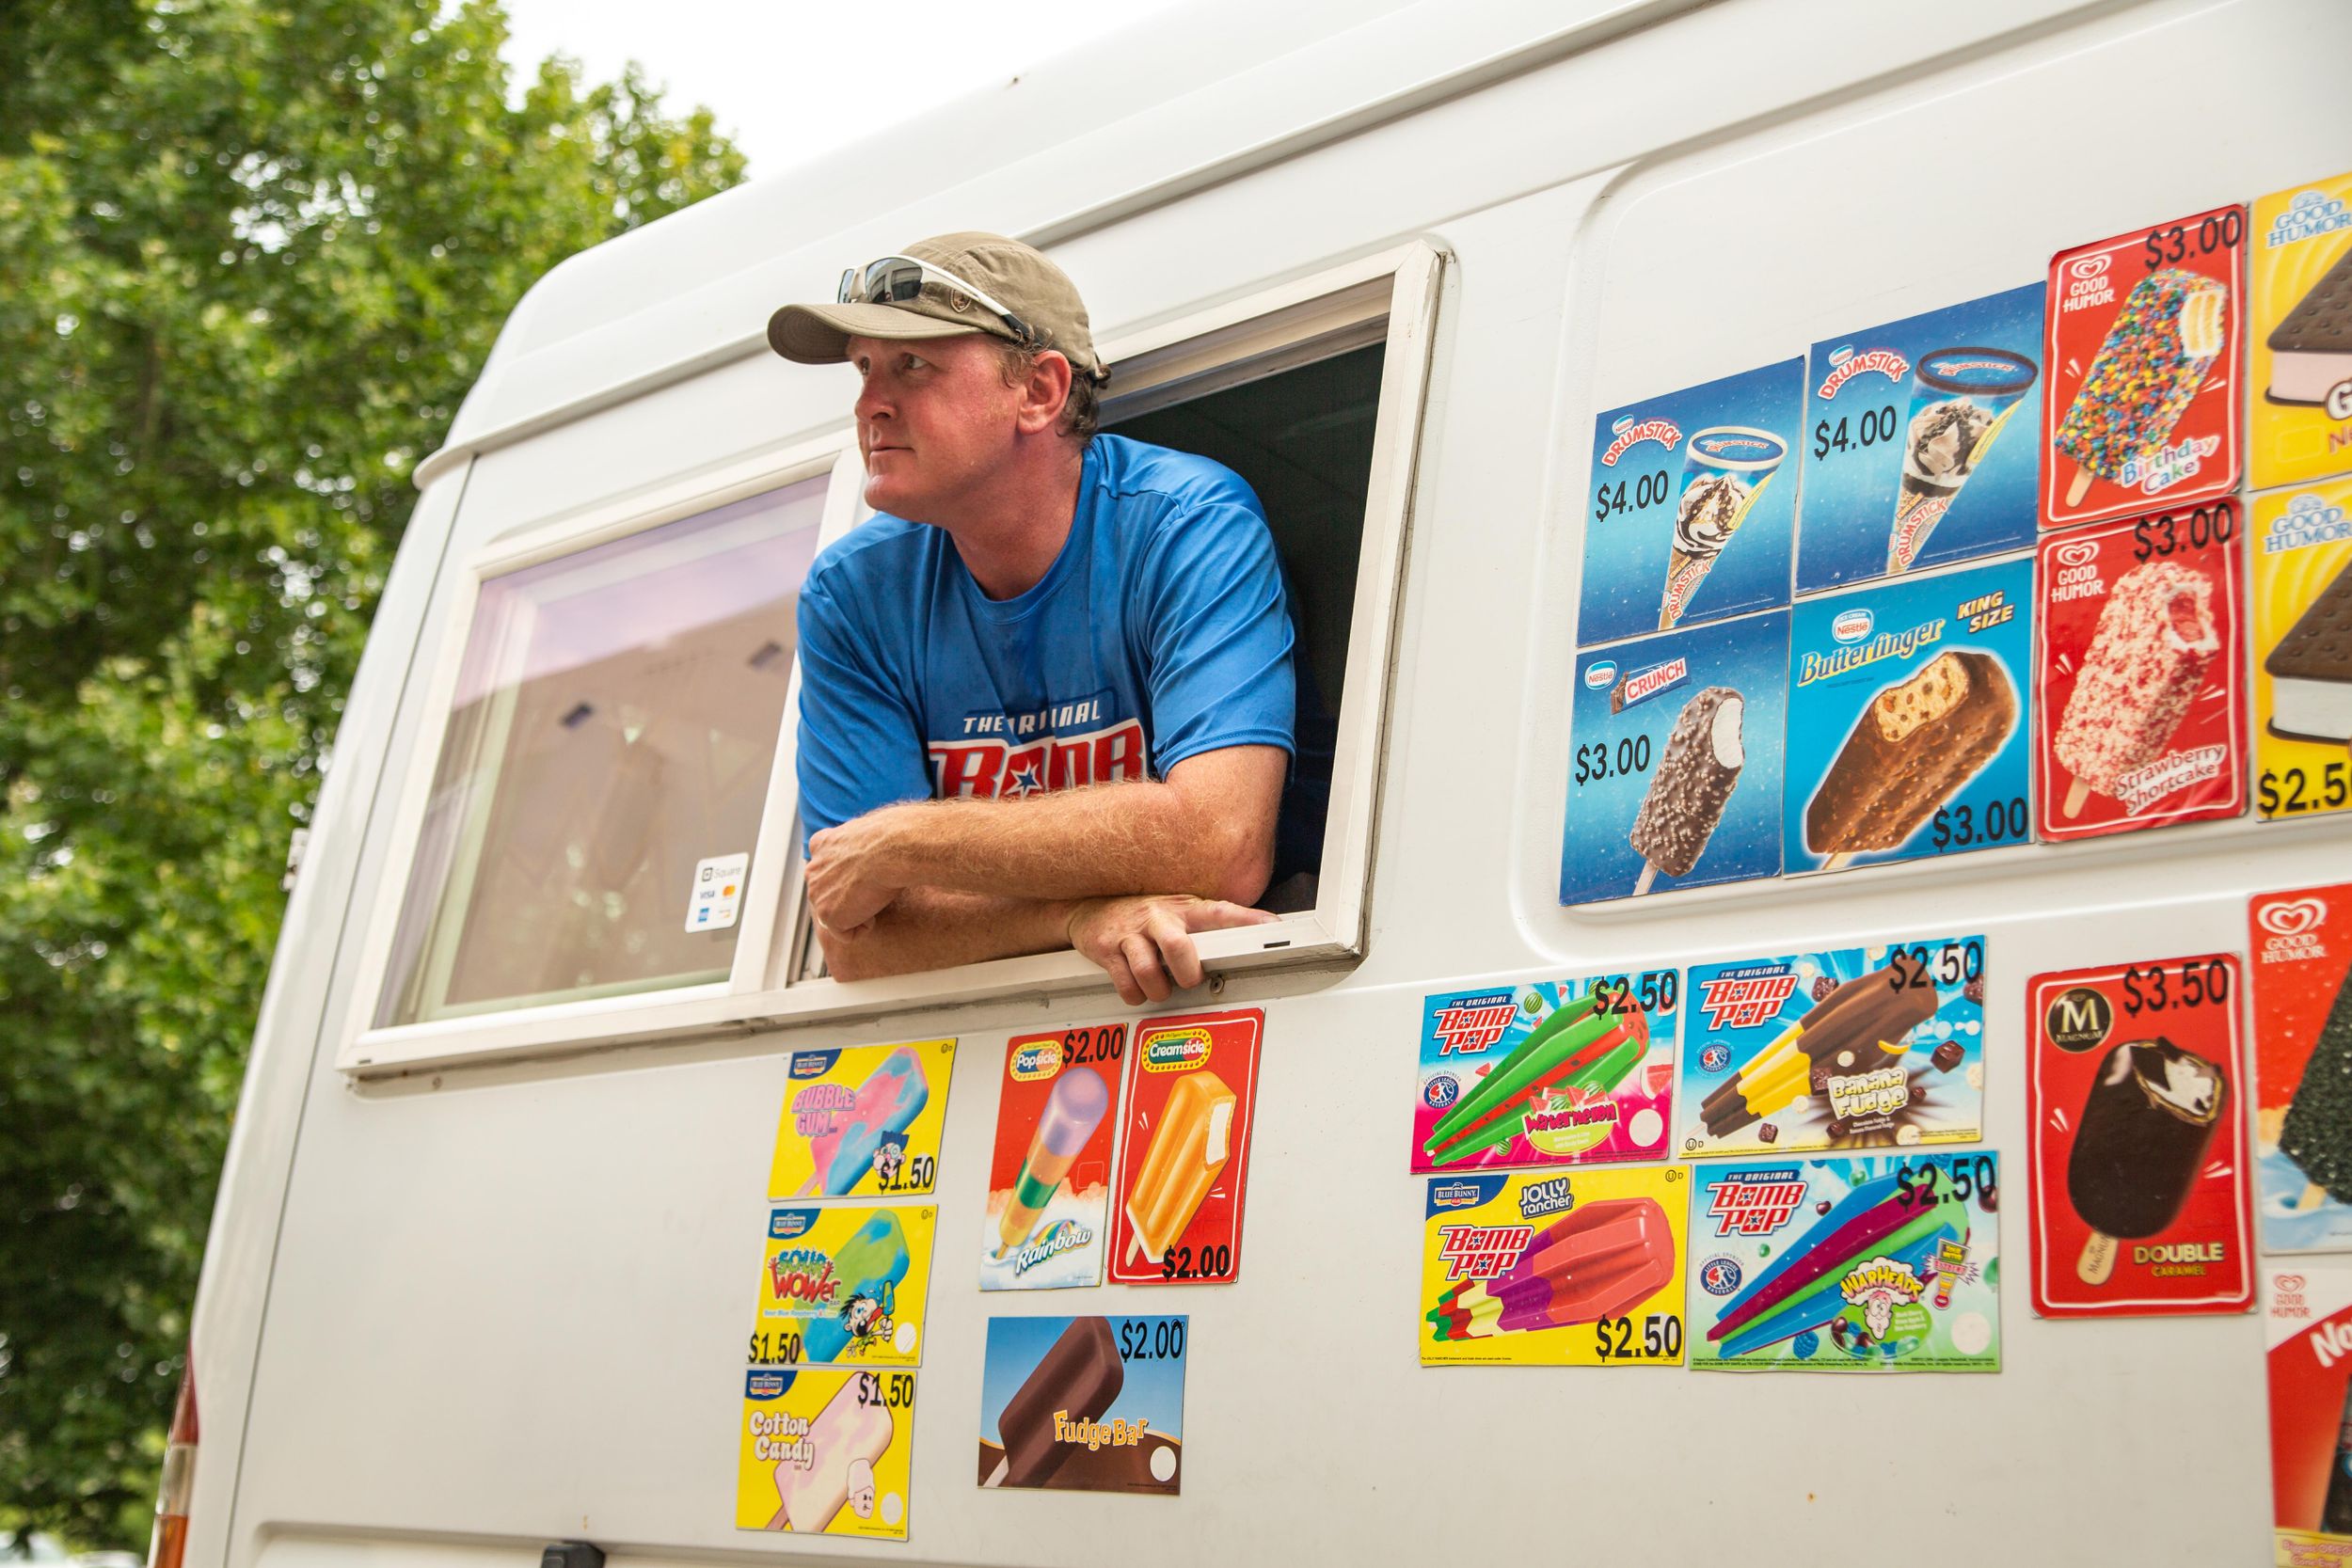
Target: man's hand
[
  {"x": 849, "y": 876},
  {"x": 1144, "y": 940}
]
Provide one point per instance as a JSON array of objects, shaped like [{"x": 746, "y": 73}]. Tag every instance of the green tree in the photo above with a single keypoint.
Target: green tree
[{"x": 251, "y": 256}]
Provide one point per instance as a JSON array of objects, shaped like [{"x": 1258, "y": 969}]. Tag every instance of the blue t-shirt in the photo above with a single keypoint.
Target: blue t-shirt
[{"x": 1161, "y": 631}]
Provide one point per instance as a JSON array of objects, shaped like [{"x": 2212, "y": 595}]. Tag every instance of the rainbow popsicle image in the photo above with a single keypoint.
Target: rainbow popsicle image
[
  {"x": 1194, "y": 1141},
  {"x": 1598, "y": 1260},
  {"x": 887, "y": 1105},
  {"x": 1578, "y": 1047},
  {"x": 845, "y": 1439},
  {"x": 1862, "y": 1024},
  {"x": 2167, "y": 335},
  {"x": 868, "y": 1268},
  {"x": 1072, "y": 1113}
]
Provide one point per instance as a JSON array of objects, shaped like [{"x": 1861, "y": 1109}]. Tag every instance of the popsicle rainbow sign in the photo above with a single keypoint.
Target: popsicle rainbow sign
[
  {"x": 1582, "y": 1269},
  {"x": 1547, "y": 1072},
  {"x": 825, "y": 1452},
  {"x": 1084, "y": 1404},
  {"x": 861, "y": 1122},
  {"x": 1847, "y": 1265},
  {"x": 1049, "y": 1179},
  {"x": 1183, "y": 1165}
]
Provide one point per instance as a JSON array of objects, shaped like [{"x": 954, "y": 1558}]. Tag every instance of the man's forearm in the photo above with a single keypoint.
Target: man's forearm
[
  {"x": 1072, "y": 844},
  {"x": 931, "y": 928}
]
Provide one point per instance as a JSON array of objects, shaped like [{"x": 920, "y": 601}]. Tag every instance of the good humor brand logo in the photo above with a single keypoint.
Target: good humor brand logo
[
  {"x": 2310, "y": 214},
  {"x": 2309, "y": 519},
  {"x": 2292, "y": 931}
]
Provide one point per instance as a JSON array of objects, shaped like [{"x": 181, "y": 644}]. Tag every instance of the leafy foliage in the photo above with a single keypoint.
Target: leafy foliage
[{"x": 251, "y": 256}]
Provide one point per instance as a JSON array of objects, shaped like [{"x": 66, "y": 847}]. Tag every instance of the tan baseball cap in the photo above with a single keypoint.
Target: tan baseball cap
[{"x": 1015, "y": 275}]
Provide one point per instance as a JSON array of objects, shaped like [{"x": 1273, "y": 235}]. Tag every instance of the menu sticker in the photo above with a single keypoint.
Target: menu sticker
[
  {"x": 2139, "y": 708},
  {"x": 2307, "y": 1326},
  {"x": 843, "y": 1283},
  {"x": 1907, "y": 720},
  {"x": 1049, "y": 1179},
  {"x": 2145, "y": 398},
  {"x": 862, "y": 1121},
  {"x": 1084, "y": 1404},
  {"x": 2301, "y": 957},
  {"x": 1547, "y": 1072},
  {"x": 1922, "y": 446},
  {"x": 1848, "y": 1048},
  {"x": 1847, "y": 1264},
  {"x": 1692, "y": 507},
  {"x": 1184, "y": 1160},
  {"x": 1677, "y": 778},
  {"x": 2302, "y": 653},
  {"x": 825, "y": 1452},
  {"x": 1580, "y": 1269},
  {"x": 2139, "y": 1192},
  {"x": 2300, "y": 370}
]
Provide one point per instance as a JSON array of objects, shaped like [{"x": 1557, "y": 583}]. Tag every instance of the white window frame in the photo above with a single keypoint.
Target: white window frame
[
  {"x": 770, "y": 896},
  {"x": 1305, "y": 318}
]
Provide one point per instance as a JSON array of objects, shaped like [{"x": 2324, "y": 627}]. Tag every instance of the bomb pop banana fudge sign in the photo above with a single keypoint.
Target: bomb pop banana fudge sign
[
  {"x": 1085, "y": 1405},
  {"x": 2139, "y": 1192},
  {"x": 2139, "y": 712},
  {"x": 1858, "y": 1047},
  {"x": 1547, "y": 1072},
  {"x": 2308, "y": 1323},
  {"x": 1920, "y": 441},
  {"x": 1582, "y": 1269},
  {"x": 1694, "y": 505},
  {"x": 843, "y": 1283},
  {"x": 825, "y": 1452},
  {"x": 1184, "y": 1162},
  {"x": 2145, "y": 397},
  {"x": 2302, "y": 651},
  {"x": 1677, "y": 777},
  {"x": 2301, "y": 951},
  {"x": 1848, "y": 1264},
  {"x": 1049, "y": 1179},
  {"x": 862, "y": 1121},
  {"x": 2300, "y": 370},
  {"x": 1907, "y": 709}
]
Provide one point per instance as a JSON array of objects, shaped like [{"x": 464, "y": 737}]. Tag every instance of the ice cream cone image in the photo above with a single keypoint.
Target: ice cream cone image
[
  {"x": 1960, "y": 398},
  {"x": 1727, "y": 467}
]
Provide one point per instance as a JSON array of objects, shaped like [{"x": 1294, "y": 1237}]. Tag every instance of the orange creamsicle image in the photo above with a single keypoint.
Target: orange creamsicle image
[{"x": 1194, "y": 1141}]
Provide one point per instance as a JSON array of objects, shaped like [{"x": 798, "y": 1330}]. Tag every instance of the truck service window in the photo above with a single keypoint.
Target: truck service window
[{"x": 610, "y": 741}]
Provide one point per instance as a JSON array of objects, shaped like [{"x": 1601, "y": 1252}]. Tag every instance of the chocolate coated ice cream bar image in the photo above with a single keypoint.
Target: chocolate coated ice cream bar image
[
  {"x": 1693, "y": 782},
  {"x": 2143, "y": 1133},
  {"x": 1913, "y": 748}
]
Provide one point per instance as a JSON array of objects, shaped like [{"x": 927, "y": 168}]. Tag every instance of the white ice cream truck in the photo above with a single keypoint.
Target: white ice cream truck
[{"x": 500, "y": 1179}]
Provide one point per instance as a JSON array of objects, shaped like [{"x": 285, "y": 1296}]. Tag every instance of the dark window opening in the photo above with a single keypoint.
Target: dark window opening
[{"x": 1302, "y": 436}]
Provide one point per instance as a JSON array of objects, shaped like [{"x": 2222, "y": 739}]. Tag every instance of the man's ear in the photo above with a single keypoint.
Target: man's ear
[{"x": 1044, "y": 393}]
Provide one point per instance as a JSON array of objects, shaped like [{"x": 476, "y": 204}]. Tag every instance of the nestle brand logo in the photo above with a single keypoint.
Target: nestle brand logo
[
  {"x": 1851, "y": 625},
  {"x": 1601, "y": 673},
  {"x": 1034, "y": 1062},
  {"x": 2081, "y": 553},
  {"x": 2087, "y": 267}
]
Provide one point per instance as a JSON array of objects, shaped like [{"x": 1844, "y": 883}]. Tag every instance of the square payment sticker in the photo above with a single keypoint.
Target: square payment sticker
[
  {"x": 2139, "y": 708},
  {"x": 2302, "y": 650},
  {"x": 1678, "y": 774},
  {"x": 1184, "y": 1162},
  {"x": 2145, "y": 397},
  {"x": 1547, "y": 1072},
  {"x": 2140, "y": 1193},
  {"x": 1578, "y": 1268}
]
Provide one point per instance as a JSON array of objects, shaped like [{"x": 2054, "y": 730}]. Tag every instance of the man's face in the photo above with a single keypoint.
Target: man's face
[{"x": 935, "y": 421}]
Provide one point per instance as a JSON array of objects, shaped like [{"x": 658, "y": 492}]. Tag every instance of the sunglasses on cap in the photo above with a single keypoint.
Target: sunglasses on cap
[{"x": 897, "y": 279}]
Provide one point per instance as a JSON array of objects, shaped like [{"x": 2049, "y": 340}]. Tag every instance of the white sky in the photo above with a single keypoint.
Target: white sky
[{"x": 753, "y": 62}]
